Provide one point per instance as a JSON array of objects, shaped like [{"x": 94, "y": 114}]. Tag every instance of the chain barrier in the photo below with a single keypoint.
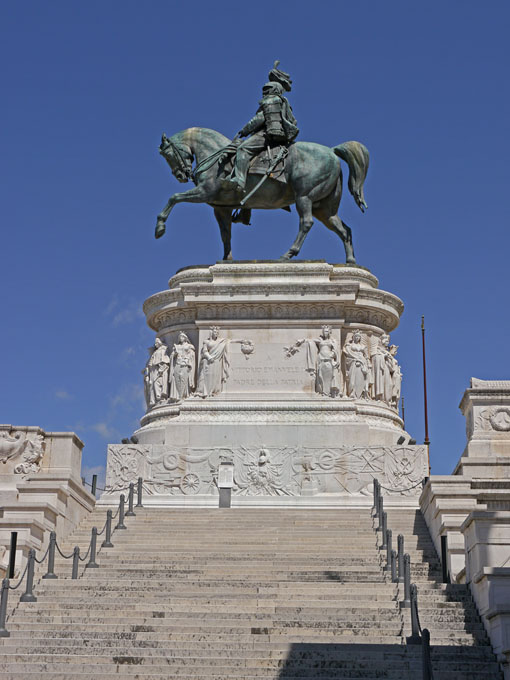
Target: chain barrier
[
  {"x": 399, "y": 565},
  {"x": 44, "y": 557},
  {"x": 108, "y": 488},
  {"x": 53, "y": 546},
  {"x": 66, "y": 557},
  {"x": 21, "y": 579}
]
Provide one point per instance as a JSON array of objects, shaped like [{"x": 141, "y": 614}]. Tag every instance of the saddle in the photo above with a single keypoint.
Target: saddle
[{"x": 260, "y": 164}]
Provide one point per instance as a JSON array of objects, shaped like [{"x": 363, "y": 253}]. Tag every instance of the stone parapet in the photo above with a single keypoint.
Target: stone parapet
[
  {"x": 40, "y": 488},
  {"x": 487, "y": 547}
]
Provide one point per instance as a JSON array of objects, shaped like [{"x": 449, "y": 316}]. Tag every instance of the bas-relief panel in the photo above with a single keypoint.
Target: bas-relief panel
[
  {"x": 269, "y": 471},
  {"x": 28, "y": 446},
  {"x": 493, "y": 418}
]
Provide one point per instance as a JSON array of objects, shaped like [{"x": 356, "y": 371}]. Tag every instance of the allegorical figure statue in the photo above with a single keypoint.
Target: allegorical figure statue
[
  {"x": 322, "y": 361},
  {"x": 396, "y": 377},
  {"x": 357, "y": 367},
  {"x": 381, "y": 371},
  {"x": 182, "y": 368},
  {"x": 214, "y": 366},
  {"x": 273, "y": 125},
  {"x": 156, "y": 374}
]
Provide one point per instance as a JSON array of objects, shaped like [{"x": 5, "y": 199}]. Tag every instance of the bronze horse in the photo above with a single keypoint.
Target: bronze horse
[{"x": 313, "y": 182}]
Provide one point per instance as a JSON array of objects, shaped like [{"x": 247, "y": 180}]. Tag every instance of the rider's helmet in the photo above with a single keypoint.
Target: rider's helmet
[{"x": 277, "y": 76}]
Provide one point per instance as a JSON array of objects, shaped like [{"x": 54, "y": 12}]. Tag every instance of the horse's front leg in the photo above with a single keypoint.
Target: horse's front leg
[{"x": 195, "y": 195}]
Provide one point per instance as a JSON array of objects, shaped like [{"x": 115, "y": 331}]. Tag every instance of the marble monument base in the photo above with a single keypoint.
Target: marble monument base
[{"x": 283, "y": 369}]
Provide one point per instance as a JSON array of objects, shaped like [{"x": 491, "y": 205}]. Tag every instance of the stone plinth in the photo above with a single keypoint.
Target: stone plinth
[
  {"x": 40, "y": 488},
  {"x": 289, "y": 375},
  {"x": 486, "y": 406}
]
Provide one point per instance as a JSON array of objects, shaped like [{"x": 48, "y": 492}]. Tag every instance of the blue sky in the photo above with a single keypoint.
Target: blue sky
[{"x": 88, "y": 88}]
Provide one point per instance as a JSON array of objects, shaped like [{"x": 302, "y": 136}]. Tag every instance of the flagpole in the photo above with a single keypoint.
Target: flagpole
[{"x": 427, "y": 440}]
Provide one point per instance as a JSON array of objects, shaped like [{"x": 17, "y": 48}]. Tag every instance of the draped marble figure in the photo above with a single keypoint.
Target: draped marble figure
[
  {"x": 357, "y": 367},
  {"x": 156, "y": 374},
  {"x": 214, "y": 366},
  {"x": 182, "y": 368},
  {"x": 326, "y": 364},
  {"x": 382, "y": 378}
]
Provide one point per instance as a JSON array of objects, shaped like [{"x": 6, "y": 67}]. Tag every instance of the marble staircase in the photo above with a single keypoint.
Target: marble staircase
[{"x": 245, "y": 594}]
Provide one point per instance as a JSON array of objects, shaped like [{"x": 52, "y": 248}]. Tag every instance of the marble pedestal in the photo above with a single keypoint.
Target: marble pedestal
[{"x": 283, "y": 418}]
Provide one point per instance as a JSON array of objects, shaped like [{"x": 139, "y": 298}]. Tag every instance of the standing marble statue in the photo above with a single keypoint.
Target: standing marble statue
[
  {"x": 182, "y": 368},
  {"x": 214, "y": 366},
  {"x": 322, "y": 361},
  {"x": 156, "y": 374},
  {"x": 357, "y": 367},
  {"x": 381, "y": 372},
  {"x": 396, "y": 377}
]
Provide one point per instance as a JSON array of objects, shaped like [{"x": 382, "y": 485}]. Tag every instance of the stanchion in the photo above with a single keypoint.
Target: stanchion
[
  {"x": 12, "y": 554},
  {"x": 415, "y": 638},
  {"x": 384, "y": 530},
  {"x": 91, "y": 564},
  {"x": 107, "y": 543},
  {"x": 120, "y": 524},
  {"x": 425, "y": 657},
  {"x": 406, "y": 602},
  {"x": 400, "y": 559},
  {"x": 94, "y": 485},
  {"x": 380, "y": 511},
  {"x": 28, "y": 595},
  {"x": 76, "y": 562},
  {"x": 389, "y": 541},
  {"x": 51, "y": 556},
  {"x": 3, "y": 608},
  {"x": 139, "y": 493},
  {"x": 394, "y": 577},
  {"x": 131, "y": 496},
  {"x": 376, "y": 498}
]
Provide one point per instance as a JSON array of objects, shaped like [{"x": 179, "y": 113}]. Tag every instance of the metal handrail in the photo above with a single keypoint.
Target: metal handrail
[{"x": 53, "y": 546}]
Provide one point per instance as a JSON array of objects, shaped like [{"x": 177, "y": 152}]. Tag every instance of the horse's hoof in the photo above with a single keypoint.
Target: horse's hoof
[
  {"x": 350, "y": 260},
  {"x": 160, "y": 230}
]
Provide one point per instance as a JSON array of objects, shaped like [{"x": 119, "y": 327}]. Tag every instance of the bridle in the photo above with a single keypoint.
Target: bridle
[{"x": 180, "y": 156}]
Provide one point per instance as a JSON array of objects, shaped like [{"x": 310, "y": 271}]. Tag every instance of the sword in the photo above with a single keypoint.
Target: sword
[{"x": 282, "y": 153}]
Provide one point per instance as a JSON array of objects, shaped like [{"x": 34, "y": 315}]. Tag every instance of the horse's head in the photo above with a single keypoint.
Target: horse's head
[{"x": 178, "y": 156}]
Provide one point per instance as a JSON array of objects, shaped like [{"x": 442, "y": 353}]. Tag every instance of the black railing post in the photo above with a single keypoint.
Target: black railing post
[
  {"x": 131, "y": 497},
  {"x": 12, "y": 554},
  {"x": 51, "y": 556},
  {"x": 400, "y": 558},
  {"x": 76, "y": 562},
  {"x": 139, "y": 493},
  {"x": 91, "y": 564},
  {"x": 120, "y": 524},
  {"x": 3, "y": 608},
  {"x": 425, "y": 657},
  {"x": 394, "y": 577},
  {"x": 415, "y": 638},
  {"x": 406, "y": 602},
  {"x": 107, "y": 543},
  {"x": 28, "y": 595},
  {"x": 444, "y": 559},
  {"x": 384, "y": 530},
  {"x": 380, "y": 511},
  {"x": 94, "y": 485},
  {"x": 389, "y": 541},
  {"x": 376, "y": 497}
]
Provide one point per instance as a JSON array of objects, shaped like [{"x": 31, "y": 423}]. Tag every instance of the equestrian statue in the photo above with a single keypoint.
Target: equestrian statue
[{"x": 267, "y": 169}]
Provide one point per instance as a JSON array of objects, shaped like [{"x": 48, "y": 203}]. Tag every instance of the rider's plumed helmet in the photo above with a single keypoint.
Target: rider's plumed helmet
[{"x": 277, "y": 76}]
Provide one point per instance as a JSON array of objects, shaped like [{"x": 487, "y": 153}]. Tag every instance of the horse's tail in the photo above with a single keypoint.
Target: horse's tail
[{"x": 356, "y": 156}]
